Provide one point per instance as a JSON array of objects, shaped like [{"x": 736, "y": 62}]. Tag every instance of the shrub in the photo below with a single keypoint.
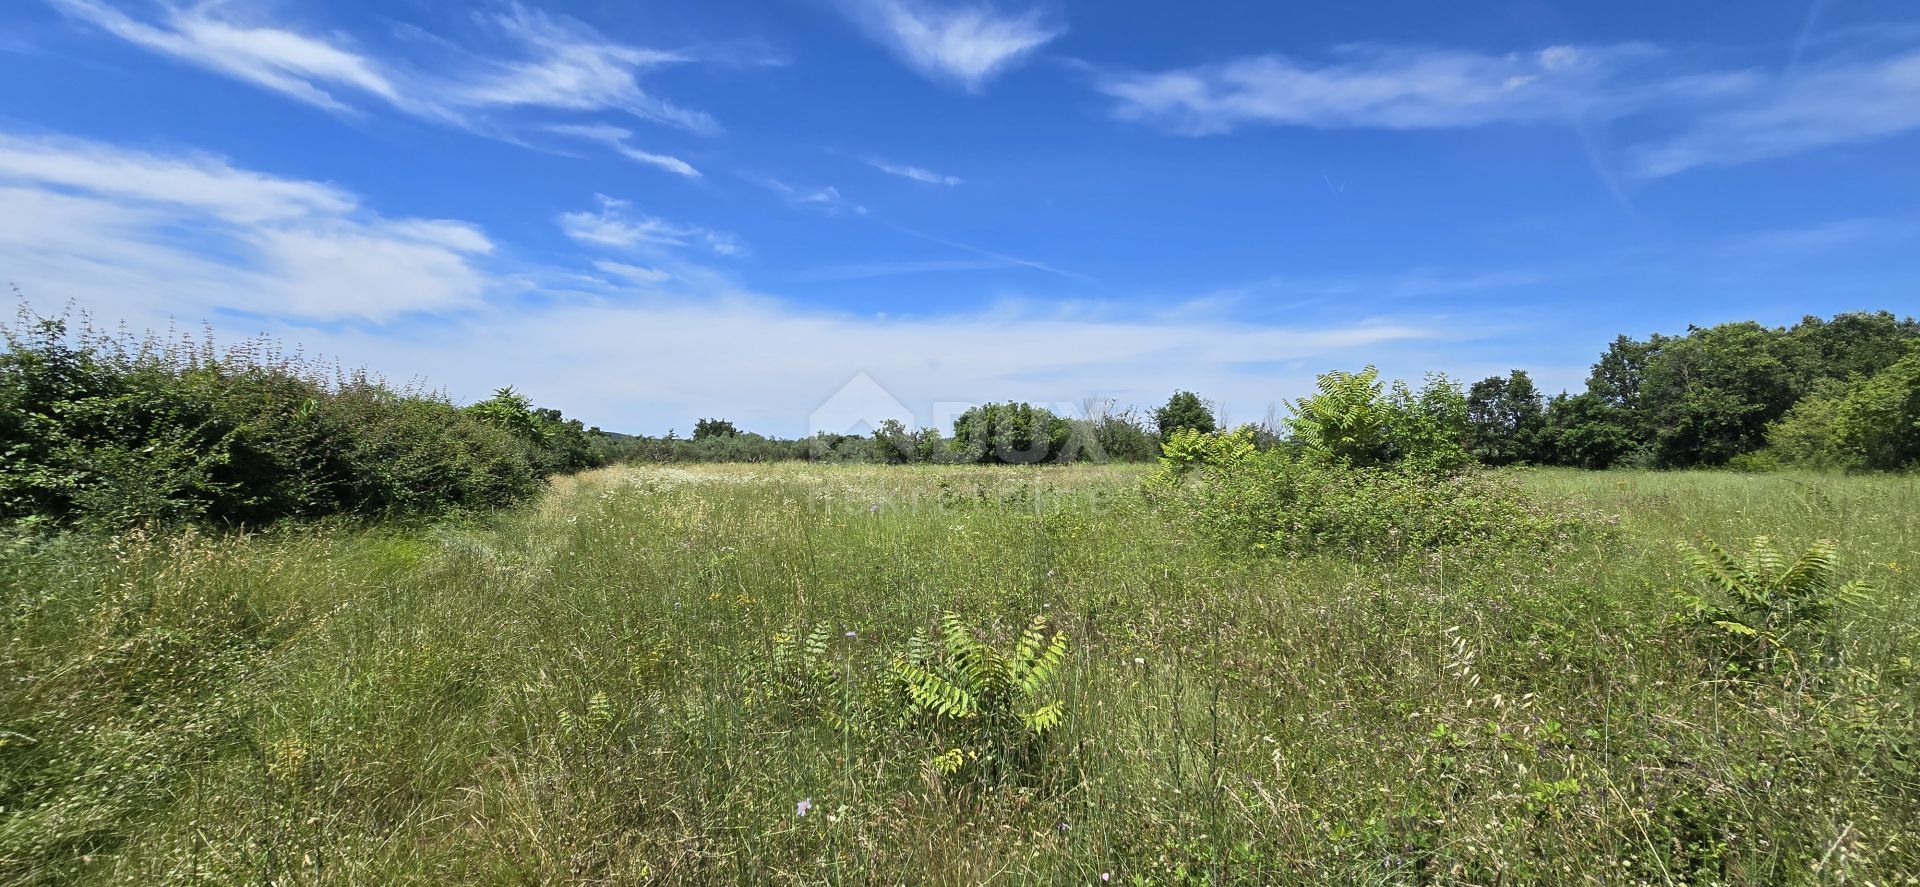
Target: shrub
[
  {"x": 107, "y": 432},
  {"x": 1276, "y": 502},
  {"x": 1188, "y": 449},
  {"x": 970, "y": 708},
  {"x": 1011, "y": 433},
  {"x": 1353, "y": 420},
  {"x": 982, "y": 708},
  {"x": 1759, "y": 610}
]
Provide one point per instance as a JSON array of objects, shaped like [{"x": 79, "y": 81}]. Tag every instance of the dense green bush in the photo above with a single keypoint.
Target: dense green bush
[
  {"x": 1880, "y": 416},
  {"x": 1868, "y": 422},
  {"x": 1010, "y": 433},
  {"x": 107, "y": 432},
  {"x": 1352, "y": 420},
  {"x": 1274, "y": 501}
]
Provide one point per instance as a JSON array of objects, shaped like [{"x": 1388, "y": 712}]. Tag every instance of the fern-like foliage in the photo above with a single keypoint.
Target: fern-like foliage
[
  {"x": 1187, "y": 449},
  {"x": 802, "y": 673},
  {"x": 1763, "y": 608},
  {"x": 983, "y": 708},
  {"x": 1347, "y": 420}
]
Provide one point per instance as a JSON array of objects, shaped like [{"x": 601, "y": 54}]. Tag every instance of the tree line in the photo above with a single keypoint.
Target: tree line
[
  {"x": 1840, "y": 392},
  {"x": 1829, "y": 393},
  {"x": 109, "y": 431}
]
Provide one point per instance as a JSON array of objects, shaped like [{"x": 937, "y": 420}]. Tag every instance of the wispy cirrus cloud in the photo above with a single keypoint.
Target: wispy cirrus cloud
[
  {"x": 631, "y": 273},
  {"x": 614, "y": 225},
  {"x": 966, "y": 44},
  {"x": 1391, "y": 87},
  {"x": 124, "y": 227},
  {"x": 1002, "y": 258},
  {"x": 558, "y": 63},
  {"x": 1693, "y": 117},
  {"x": 306, "y": 67},
  {"x": 916, "y": 173},
  {"x": 1819, "y": 106},
  {"x": 616, "y": 137},
  {"x": 569, "y": 66},
  {"x": 826, "y": 198}
]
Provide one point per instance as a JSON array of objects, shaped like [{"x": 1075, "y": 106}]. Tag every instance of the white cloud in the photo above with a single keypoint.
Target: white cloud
[
  {"x": 1821, "y": 107},
  {"x": 137, "y": 231},
  {"x": 918, "y": 174},
  {"x": 1713, "y": 117},
  {"x": 826, "y": 199},
  {"x": 305, "y": 67},
  {"x": 206, "y": 184},
  {"x": 560, "y": 64},
  {"x": 632, "y": 273},
  {"x": 616, "y": 138},
  {"x": 145, "y": 237},
  {"x": 784, "y": 360},
  {"x": 1379, "y": 87},
  {"x": 568, "y": 66},
  {"x": 112, "y": 243},
  {"x": 613, "y": 226},
  {"x": 966, "y": 44}
]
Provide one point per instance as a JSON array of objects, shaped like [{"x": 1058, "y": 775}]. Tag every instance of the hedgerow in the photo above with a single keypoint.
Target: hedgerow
[{"x": 104, "y": 431}]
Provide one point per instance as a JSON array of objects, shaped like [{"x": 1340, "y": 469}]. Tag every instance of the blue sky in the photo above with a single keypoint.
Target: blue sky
[{"x": 648, "y": 212}]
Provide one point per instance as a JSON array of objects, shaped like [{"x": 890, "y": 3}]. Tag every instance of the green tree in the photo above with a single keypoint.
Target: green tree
[
  {"x": 706, "y": 428},
  {"x": 1854, "y": 344},
  {"x": 1808, "y": 435},
  {"x": 554, "y": 443},
  {"x": 893, "y": 443},
  {"x": 1588, "y": 431},
  {"x": 1012, "y": 433},
  {"x": 1184, "y": 410},
  {"x": 1708, "y": 396},
  {"x": 1506, "y": 419},
  {"x": 508, "y": 410},
  {"x": 1616, "y": 376},
  {"x": 1429, "y": 426},
  {"x": 1880, "y": 417}
]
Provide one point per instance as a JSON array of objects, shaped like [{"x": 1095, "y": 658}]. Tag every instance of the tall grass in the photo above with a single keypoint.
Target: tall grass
[{"x": 571, "y": 693}]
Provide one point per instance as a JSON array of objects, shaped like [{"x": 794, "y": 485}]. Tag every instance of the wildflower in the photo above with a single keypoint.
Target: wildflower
[
  {"x": 1137, "y": 660},
  {"x": 1106, "y": 876},
  {"x": 801, "y": 808}
]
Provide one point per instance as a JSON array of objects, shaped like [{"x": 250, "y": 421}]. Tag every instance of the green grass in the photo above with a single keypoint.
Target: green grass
[{"x": 578, "y": 692}]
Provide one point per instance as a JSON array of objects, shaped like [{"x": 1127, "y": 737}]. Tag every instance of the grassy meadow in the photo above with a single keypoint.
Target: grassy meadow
[{"x": 681, "y": 675}]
